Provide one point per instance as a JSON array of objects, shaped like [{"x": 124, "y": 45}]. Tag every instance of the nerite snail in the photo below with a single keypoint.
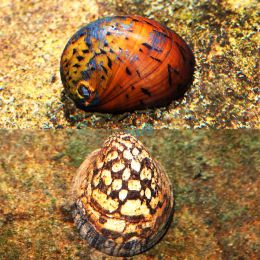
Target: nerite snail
[
  {"x": 124, "y": 63},
  {"x": 123, "y": 203}
]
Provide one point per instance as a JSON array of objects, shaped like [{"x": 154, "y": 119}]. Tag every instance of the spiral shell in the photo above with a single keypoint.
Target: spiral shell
[
  {"x": 124, "y": 63},
  {"x": 123, "y": 203}
]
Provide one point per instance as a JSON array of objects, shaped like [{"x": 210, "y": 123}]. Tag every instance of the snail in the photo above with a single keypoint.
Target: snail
[
  {"x": 124, "y": 63},
  {"x": 121, "y": 198}
]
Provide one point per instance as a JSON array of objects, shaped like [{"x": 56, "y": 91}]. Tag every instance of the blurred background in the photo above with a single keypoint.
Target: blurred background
[{"x": 214, "y": 175}]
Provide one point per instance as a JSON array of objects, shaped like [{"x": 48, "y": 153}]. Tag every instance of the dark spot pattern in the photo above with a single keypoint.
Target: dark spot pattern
[
  {"x": 148, "y": 46},
  {"x": 104, "y": 68},
  {"x": 109, "y": 62},
  {"x": 80, "y": 58},
  {"x": 128, "y": 71},
  {"x": 158, "y": 60},
  {"x": 146, "y": 92}
]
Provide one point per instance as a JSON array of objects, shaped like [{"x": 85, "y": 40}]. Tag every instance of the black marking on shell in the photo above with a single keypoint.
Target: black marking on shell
[
  {"x": 80, "y": 58},
  {"x": 148, "y": 46},
  {"x": 128, "y": 71},
  {"x": 114, "y": 194},
  {"x": 89, "y": 44},
  {"x": 146, "y": 92},
  {"x": 152, "y": 211},
  {"x": 74, "y": 51},
  {"x": 109, "y": 62},
  {"x": 124, "y": 186},
  {"x": 134, "y": 218},
  {"x": 104, "y": 68},
  {"x": 135, "y": 20},
  {"x": 76, "y": 65},
  {"x": 133, "y": 194},
  {"x": 147, "y": 162},
  {"x": 146, "y": 183},
  {"x": 156, "y": 59},
  {"x": 138, "y": 73},
  {"x": 95, "y": 171},
  {"x": 159, "y": 204},
  {"x": 102, "y": 186},
  {"x": 85, "y": 51}
]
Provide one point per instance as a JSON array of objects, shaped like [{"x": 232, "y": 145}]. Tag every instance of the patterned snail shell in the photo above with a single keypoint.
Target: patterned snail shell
[
  {"x": 122, "y": 198},
  {"x": 124, "y": 63}
]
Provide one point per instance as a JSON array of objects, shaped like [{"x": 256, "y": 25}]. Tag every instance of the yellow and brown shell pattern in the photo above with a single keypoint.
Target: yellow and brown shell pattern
[
  {"x": 123, "y": 203},
  {"x": 124, "y": 63}
]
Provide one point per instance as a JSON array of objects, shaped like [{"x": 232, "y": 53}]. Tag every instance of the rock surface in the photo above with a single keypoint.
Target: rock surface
[
  {"x": 222, "y": 34},
  {"x": 213, "y": 173}
]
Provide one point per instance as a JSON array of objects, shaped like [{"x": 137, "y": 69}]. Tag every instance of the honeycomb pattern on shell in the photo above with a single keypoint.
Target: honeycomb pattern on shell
[{"x": 124, "y": 201}]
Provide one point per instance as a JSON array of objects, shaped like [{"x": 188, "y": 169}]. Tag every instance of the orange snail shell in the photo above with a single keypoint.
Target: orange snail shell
[
  {"x": 124, "y": 63},
  {"x": 122, "y": 198}
]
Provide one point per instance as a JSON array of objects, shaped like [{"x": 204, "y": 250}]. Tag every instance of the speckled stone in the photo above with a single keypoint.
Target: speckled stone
[{"x": 222, "y": 34}]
